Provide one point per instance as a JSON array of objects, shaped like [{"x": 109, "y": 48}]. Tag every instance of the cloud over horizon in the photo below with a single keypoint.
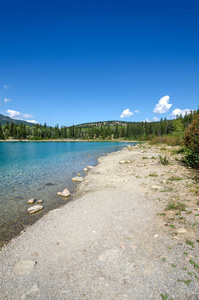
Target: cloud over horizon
[
  {"x": 126, "y": 113},
  {"x": 162, "y": 106},
  {"x": 178, "y": 112},
  {"x": 13, "y": 114},
  {"x": 155, "y": 119}
]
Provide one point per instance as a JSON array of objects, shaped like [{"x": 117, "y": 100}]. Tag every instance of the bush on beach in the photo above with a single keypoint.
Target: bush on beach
[{"x": 191, "y": 142}]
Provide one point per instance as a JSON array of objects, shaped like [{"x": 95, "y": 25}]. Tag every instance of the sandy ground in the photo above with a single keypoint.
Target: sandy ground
[{"x": 131, "y": 233}]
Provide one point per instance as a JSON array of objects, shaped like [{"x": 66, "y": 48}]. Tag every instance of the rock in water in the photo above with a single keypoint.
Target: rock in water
[
  {"x": 58, "y": 193},
  {"x": 40, "y": 201},
  {"x": 90, "y": 167},
  {"x": 65, "y": 193},
  {"x": 85, "y": 169},
  {"x": 35, "y": 208},
  {"x": 31, "y": 201},
  {"x": 78, "y": 179}
]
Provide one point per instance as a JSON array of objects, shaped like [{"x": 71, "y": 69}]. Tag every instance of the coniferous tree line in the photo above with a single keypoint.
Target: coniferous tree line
[{"x": 131, "y": 131}]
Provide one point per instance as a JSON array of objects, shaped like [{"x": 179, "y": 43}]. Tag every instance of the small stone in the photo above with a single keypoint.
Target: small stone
[
  {"x": 77, "y": 179},
  {"x": 58, "y": 193},
  {"x": 90, "y": 167},
  {"x": 78, "y": 174},
  {"x": 24, "y": 267},
  {"x": 35, "y": 208},
  {"x": 140, "y": 165},
  {"x": 155, "y": 187},
  {"x": 156, "y": 236},
  {"x": 181, "y": 230},
  {"x": 85, "y": 169},
  {"x": 65, "y": 193},
  {"x": 31, "y": 201},
  {"x": 122, "y": 246},
  {"x": 34, "y": 288},
  {"x": 124, "y": 162}
]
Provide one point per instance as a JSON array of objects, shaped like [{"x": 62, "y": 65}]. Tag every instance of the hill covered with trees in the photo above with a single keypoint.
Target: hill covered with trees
[{"x": 106, "y": 130}]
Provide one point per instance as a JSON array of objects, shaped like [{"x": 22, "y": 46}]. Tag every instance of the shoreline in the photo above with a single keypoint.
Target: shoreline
[
  {"x": 115, "y": 235},
  {"x": 26, "y": 220},
  {"x": 72, "y": 140}
]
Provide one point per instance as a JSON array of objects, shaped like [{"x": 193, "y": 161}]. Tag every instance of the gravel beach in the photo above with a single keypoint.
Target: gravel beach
[{"x": 130, "y": 233}]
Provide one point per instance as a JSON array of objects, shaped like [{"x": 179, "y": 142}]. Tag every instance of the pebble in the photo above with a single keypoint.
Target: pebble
[{"x": 154, "y": 187}]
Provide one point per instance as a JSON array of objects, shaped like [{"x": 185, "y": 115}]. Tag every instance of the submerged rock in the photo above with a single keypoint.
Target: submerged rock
[
  {"x": 31, "y": 201},
  {"x": 77, "y": 179},
  {"x": 34, "y": 209},
  {"x": 49, "y": 184},
  {"x": 65, "y": 193}
]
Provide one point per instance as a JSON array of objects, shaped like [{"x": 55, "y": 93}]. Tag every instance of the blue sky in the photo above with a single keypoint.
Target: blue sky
[{"x": 71, "y": 62}]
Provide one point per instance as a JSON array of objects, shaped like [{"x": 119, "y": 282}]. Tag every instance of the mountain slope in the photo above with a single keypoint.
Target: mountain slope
[{"x": 5, "y": 119}]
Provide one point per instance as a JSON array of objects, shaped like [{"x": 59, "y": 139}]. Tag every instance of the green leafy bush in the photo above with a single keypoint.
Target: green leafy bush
[{"x": 191, "y": 141}]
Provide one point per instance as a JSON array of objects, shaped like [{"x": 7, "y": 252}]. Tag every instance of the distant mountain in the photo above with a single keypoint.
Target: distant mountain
[
  {"x": 103, "y": 123},
  {"x": 5, "y": 119}
]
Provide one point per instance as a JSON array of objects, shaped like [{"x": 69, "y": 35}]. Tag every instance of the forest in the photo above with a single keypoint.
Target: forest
[{"x": 109, "y": 131}]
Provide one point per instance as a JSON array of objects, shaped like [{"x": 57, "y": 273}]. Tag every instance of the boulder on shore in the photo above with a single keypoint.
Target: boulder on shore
[
  {"x": 34, "y": 209},
  {"x": 77, "y": 179},
  {"x": 65, "y": 193},
  {"x": 90, "y": 167}
]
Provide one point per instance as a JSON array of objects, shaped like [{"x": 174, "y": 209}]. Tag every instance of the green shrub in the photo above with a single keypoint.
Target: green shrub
[{"x": 191, "y": 141}]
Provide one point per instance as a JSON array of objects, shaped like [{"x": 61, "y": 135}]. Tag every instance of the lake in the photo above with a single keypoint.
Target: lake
[{"x": 40, "y": 170}]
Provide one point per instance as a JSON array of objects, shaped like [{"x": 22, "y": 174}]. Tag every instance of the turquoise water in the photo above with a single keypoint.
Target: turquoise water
[{"x": 40, "y": 170}]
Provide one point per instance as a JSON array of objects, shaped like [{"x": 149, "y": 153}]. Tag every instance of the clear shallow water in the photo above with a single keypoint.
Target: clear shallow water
[{"x": 40, "y": 170}]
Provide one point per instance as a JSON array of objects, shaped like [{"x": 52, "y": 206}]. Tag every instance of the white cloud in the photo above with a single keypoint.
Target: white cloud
[
  {"x": 6, "y": 87},
  {"x": 136, "y": 111},
  {"x": 18, "y": 115},
  {"x": 162, "y": 106},
  {"x": 32, "y": 121},
  {"x": 178, "y": 111},
  {"x": 155, "y": 119},
  {"x": 6, "y": 100},
  {"x": 126, "y": 113}
]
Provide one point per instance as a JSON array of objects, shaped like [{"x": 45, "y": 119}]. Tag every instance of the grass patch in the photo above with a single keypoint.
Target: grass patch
[
  {"x": 190, "y": 243},
  {"x": 194, "y": 264},
  {"x": 153, "y": 175},
  {"x": 144, "y": 157},
  {"x": 175, "y": 178},
  {"x": 163, "y": 160},
  {"x": 187, "y": 282},
  {"x": 174, "y": 266},
  {"x": 176, "y": 205},
  {"x": 164, "y": 297}
]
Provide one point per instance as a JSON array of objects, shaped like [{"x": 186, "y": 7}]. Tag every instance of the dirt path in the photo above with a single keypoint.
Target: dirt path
[{"x": 116, "y": 240}]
